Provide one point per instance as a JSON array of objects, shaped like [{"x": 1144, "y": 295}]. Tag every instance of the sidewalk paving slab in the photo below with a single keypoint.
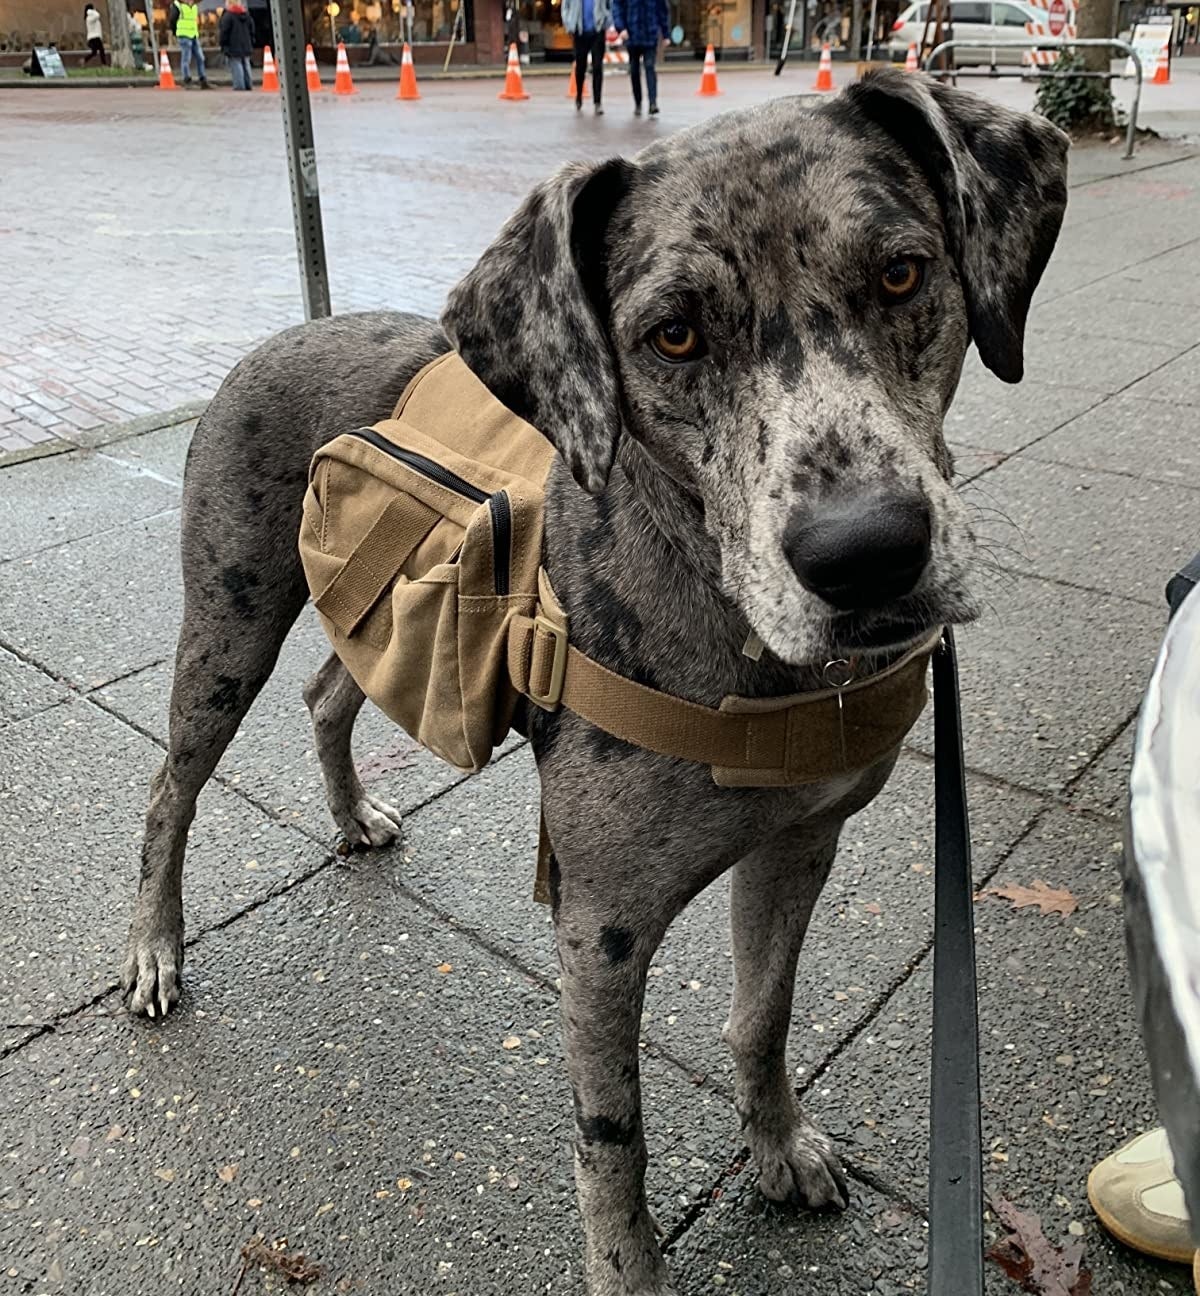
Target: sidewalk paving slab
[
  {"x": 98, "y": 608},
  {"x": 1145, "y": 439},
  {"x": 344, "y": 1052},
  {"x": 1097, "y": 529},
  {"x": 72, "y": 805},
  {"x": 998, "y": 418},
  {"x": 25, "y": 690},
  {"x": 1049, "y": 674},
  {"x": 52, "y": 501},
  {"x": 1177, "y": 383}
]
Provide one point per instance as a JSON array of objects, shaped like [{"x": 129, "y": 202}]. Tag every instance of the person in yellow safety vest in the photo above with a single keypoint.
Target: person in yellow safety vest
[{"x": 185, "y": 23}]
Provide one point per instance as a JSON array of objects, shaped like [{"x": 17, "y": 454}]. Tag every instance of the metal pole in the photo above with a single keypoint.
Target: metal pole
[
  {"x": 871, "y": 33},
  {"x": 787, "y": 38},
  {"x": 148, "y": 6},
  {"x": 302, "y": 157}
]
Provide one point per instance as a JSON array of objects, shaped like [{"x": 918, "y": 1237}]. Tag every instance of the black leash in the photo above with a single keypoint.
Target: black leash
[{"x": 955, "y": 1158}]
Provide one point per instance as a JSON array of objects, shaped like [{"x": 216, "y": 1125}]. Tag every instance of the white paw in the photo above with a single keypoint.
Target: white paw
[
  {"x": 370, "y": 822},
  {"x": 150, "y": 974},
  {"x": 804, "y": 1169}
]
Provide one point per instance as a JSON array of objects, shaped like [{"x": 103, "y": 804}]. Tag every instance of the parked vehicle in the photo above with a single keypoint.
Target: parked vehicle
[{"x": 999, "y": 23}]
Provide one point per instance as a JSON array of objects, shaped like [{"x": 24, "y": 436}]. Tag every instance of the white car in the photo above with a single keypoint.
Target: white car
[{"x": 999, "y": 23}]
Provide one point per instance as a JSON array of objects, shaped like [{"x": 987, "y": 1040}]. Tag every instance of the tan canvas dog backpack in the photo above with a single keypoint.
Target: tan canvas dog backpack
[
  {"x": 418, "y": 552},
  {"x": 422, "y": 544}
]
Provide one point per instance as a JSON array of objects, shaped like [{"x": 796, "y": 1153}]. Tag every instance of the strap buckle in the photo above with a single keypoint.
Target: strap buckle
[{"x": 552, "y": 697}]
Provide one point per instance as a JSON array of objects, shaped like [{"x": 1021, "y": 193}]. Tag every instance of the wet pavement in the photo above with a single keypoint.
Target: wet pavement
[{"x": 338, "y": 1076}]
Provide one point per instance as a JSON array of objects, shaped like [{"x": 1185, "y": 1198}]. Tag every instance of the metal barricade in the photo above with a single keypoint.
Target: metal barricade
[{"x": 1057, "y": 43}]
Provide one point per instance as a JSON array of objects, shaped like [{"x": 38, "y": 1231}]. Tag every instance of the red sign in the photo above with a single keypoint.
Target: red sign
[{"x": 1057, "y": 17}]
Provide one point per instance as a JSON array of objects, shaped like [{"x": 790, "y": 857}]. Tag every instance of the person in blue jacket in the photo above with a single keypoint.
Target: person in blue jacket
[
  {"x": 587, "y": 21},
  {"x": 641, "y": 23}
]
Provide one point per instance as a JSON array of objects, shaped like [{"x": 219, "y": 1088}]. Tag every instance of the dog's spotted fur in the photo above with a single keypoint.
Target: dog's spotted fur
[{"x": 666, "y": 520}]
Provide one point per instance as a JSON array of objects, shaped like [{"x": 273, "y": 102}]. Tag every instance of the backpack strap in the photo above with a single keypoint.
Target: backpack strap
[
  {"x": 374, "y": 562},
  {"x": 748, "y": 741}
]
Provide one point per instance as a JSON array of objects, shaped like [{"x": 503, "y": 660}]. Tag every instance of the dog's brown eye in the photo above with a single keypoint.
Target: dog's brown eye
[
  {"x": 900, "y": 279},
  {"x": 677, "y": 340}
]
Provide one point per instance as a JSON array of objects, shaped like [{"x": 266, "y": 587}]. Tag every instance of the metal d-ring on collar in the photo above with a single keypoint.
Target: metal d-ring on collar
[{"x": 839, "y": 674}]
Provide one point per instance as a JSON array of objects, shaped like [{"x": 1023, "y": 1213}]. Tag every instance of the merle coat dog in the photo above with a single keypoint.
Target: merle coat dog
[{"x": 743, "y": 343}]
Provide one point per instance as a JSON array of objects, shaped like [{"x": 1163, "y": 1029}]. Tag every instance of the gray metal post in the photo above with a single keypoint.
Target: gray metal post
[
  {"x": 302, "y": 158},
  {"x": 148, "y": 5}
]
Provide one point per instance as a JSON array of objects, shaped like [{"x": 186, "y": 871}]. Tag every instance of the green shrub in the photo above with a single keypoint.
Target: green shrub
[{"x": 1080, "y": 105}]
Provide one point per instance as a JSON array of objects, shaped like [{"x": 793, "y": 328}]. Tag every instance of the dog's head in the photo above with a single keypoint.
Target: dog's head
[{"x": 776, "y": 306}]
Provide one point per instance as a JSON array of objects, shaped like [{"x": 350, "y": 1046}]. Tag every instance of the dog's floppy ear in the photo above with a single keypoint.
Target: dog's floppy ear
[
  {"x": 1001, "y": 180},
  {"x": 531, "y": 318}
]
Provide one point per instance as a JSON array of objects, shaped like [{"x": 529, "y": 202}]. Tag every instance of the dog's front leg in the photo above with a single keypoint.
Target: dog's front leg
[
  {"x": 605, "y": 954},
  {"x": 774, "y": 891}
]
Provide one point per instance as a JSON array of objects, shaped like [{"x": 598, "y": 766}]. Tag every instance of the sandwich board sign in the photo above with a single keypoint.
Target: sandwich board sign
[
  {"x": 47, "y": 62},
  {"x": 1152, "y": 41}
]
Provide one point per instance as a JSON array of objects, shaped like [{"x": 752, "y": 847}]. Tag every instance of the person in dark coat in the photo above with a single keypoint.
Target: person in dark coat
[
  {"x": 237, "y": 44},
  {"x": 641, "y": 23}
]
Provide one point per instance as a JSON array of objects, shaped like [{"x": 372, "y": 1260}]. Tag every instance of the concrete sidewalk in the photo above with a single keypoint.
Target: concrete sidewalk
[{"x": 337, "y": 1077}]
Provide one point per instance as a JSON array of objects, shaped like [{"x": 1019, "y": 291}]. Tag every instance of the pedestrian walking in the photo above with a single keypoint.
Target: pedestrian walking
[
  {"x": 237, "y": 43},
  {"x": 185, "y": 23},
  {"x": 95, "y": 34},
  {"x": 587, "y": 21},
  {"x": 641, "y": 23}
]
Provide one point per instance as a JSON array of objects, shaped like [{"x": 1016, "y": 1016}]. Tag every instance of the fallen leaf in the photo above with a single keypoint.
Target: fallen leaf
[
  {"x": 227, "y": 1174},
  {"x": 116, "y": 1132},
  {"x": 1028, "y": 1257},
  {"x": 443, "y": 968},
  {"x": 1048, "y": 899},
  {"x": 873, "y": 908},
  {"x": 296, "y": 1268},
  {"x": 167, "y": 1176},
  {"x": 512, "y": 1042},
  {"x": 404, "y": 1184}
]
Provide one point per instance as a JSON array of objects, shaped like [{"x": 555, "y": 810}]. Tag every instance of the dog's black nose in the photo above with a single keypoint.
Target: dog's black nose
[{"x": 860, "y": 551}]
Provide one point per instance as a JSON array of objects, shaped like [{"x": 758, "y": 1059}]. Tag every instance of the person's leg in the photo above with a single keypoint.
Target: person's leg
[
  {"x": 651, "y": 78},
  {"x": 635, "y": 75},
  {"x": 241, "y": 73},
  {"x": 583, "y": 43},
  {"x": 185, "y": 58},
  {"x": 597, "y": 67},
  {"x": 249, "y": 72},
  {"x": 200, "y": 61}
]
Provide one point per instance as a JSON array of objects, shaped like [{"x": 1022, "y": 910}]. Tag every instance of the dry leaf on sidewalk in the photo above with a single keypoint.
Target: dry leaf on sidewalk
[
  {"x": 293, "y": 1267},
  {"x": 1048, "y": 899},
  {"x": 1031, "y": 1259}
]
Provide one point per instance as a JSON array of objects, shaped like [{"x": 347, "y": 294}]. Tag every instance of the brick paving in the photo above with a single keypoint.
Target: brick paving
[{"x": 152, "y": 245}]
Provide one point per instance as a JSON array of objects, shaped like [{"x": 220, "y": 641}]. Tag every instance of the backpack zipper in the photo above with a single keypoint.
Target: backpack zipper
[
  {"x": 426, "y": 467},
  {"x": 501, "y": 511},
  {"x": 498, "y": 504}
]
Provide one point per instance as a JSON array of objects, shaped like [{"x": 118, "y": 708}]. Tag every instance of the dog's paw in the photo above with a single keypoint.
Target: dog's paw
[
  {"x": 369, "y": 822},
  {"x": 803, "y": 1169},
  {"x": 151, "y": 971}
]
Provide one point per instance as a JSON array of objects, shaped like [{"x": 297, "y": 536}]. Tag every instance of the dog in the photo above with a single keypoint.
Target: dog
[{"x": 742, "y": 343}]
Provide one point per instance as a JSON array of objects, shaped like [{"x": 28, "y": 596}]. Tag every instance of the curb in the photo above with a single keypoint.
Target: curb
[
  {"x": 105, "y": 435},
  {"x": 388, "y": 74}
]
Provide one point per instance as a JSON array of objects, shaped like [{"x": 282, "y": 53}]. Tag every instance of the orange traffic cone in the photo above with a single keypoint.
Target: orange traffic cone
[
  {"x": 270, "y": 75},
  {"x": 342, "y": 84},
  {"x": 910, "y": 63},
  {"x": 408, "y": 76},
  {"x": 1162, "y": 69},
  {"x": 310, "y": 69},
  {"x": 514, "y": 87},
  {"x": 573, "y": 88},
  {"x": 166, "y": 79},
  {"x": 708, "y": 78},
  {"x": 824, "y": 79}
]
